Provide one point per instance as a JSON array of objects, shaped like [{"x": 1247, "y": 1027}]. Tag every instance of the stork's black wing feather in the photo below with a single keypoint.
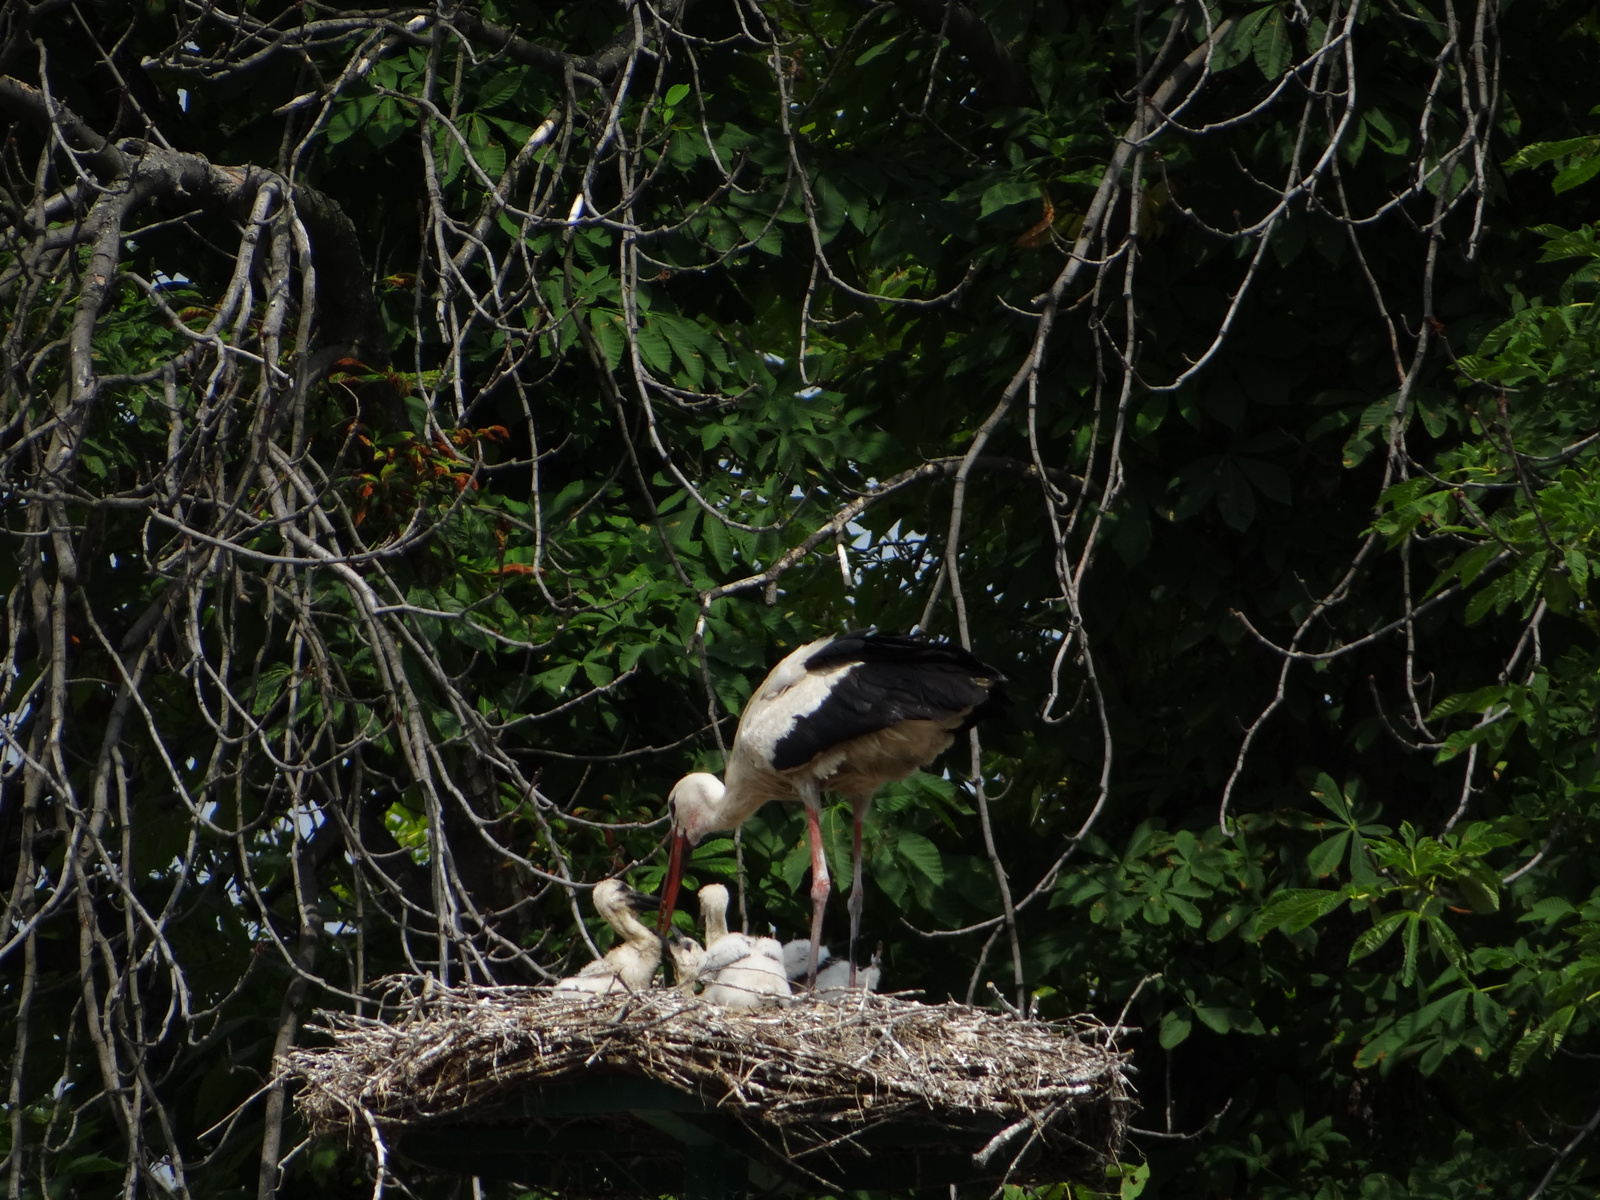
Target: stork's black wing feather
[{"x": 892, "y": 678}]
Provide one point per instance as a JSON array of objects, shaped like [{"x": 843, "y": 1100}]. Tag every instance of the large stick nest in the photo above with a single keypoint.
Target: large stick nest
[{"x": 1028, "y": 1100}]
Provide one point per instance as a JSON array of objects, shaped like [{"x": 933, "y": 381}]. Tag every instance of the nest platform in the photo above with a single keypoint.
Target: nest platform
[{"x": 637, "y": 1096}]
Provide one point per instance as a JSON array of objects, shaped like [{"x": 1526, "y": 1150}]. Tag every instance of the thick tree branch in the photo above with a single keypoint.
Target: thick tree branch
[
  {"x": 348, "y": 307},
  {"x": 28, "y": 103},
  {"x": 598, "y": 68}
]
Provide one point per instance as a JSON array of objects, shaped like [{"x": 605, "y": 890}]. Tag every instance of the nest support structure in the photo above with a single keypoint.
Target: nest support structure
[{"x": 640, "y": 1095}]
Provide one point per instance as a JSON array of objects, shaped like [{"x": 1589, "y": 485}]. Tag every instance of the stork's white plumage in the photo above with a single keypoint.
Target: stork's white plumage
[
  {"x": 751, "y": 981},
  {"x": 687, "y": 957},
  {"x": 834, "y": 976},
  {"x": 837, "y": 978},
  {"x": 631, "y": 964},
  {"x": 741, "y": 971},
  {"x": 846, "y": 714},
  {"x": 798, "y": 952}
]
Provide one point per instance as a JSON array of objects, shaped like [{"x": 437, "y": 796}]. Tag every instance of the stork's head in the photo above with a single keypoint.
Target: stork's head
[
  {"x": 613, "y": 898},
  {"x": 714, "y": 910},
  {"x": 687, "y": 955},
  {"x": 693, "y": 804}
]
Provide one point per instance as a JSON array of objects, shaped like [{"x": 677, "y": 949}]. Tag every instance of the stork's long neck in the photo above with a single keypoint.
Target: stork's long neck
[
  {"x": 620, "y": 917},
  {"x": 716, "y": 919},
  {"x": 745, "y": 789},
  {"x": 718, "y": 805}
]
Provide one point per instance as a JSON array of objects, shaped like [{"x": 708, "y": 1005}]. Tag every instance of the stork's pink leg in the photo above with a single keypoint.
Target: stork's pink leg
[
  {"x": 859, "y": 808},
  {"x": 821, "y": 884}
]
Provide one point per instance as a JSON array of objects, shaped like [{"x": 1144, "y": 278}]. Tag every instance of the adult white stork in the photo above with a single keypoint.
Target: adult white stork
[
  {"x": 741, "y": 971},
  {"x": 847, "y": 714},
  {"x": 631, "y": 964}
]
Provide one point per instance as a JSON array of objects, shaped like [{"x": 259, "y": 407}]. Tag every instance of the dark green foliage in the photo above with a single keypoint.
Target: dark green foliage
[{"x": 353, "y": 631}]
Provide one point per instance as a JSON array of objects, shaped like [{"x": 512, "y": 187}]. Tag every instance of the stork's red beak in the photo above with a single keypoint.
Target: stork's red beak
[{"x": 669, "y": 892}]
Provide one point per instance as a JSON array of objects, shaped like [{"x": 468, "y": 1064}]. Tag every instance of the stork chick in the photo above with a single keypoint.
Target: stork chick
[
  {"x": 797, "y": 953},
  {"x": 631, "y": 964},
  {"x": 743, "y": 972},
  {"x": 849, "y": 714},
  {"x": 687, "y": 957},
  {"x": 833, "y": 974}
]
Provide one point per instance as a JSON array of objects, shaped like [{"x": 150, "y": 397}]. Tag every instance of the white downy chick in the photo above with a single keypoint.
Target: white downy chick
[
  {"x": 833, "y": 981},
  {"x": 687, "y": 957},
  {"x": 628, "y": 966},
  {"x": 742, "y": 972},
  {"x": 833, "y": 974},
  {"x": 795, "y": 954}
]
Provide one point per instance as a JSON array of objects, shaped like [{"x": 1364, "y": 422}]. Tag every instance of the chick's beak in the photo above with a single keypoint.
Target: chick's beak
[
  {"x": 641, "y": 901},
  {"x": 669, "y": 892}
]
